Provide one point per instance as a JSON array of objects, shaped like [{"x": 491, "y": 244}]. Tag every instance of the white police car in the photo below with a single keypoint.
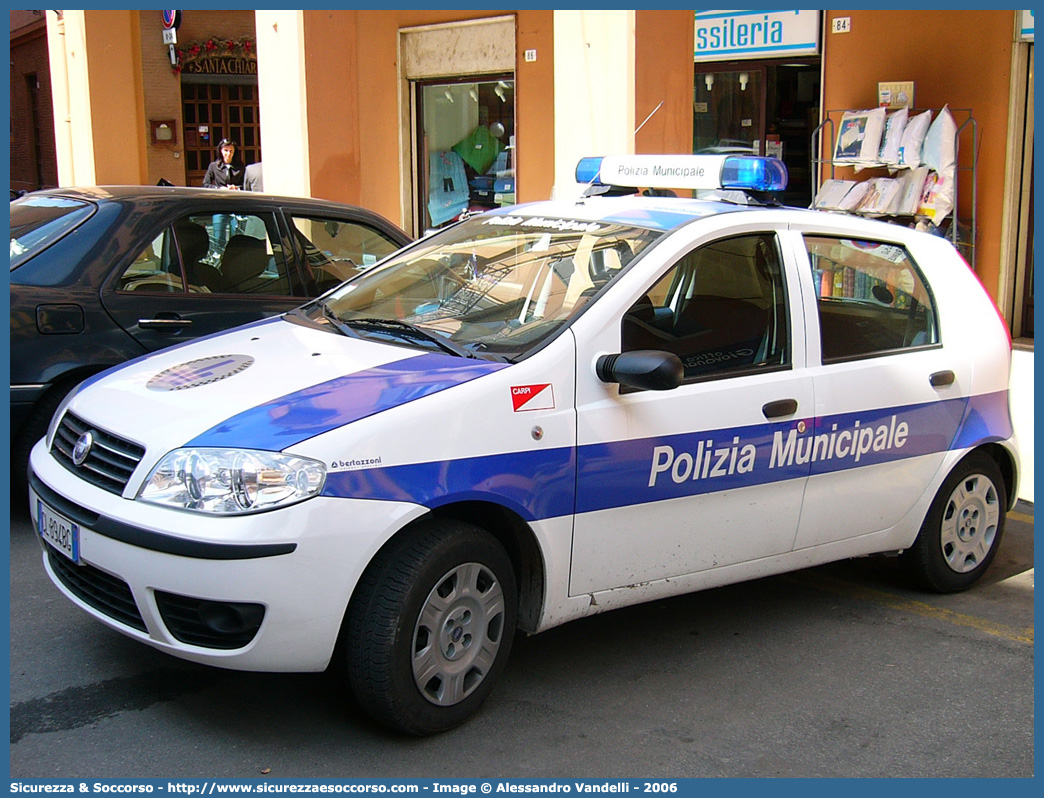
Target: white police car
[{"x": 541, "y": 413}]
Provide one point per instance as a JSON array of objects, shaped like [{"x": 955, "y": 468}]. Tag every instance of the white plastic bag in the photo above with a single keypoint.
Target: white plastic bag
[
  {"x": 892, "y": 139},
  {"x": 913, "y": 139},
  {"x": 940, "y": 144}
]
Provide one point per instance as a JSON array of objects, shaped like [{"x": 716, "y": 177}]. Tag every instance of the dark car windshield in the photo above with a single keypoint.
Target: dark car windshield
[
  {"x": 495, "y": 286},
  {"x": 37, "y": 222}
]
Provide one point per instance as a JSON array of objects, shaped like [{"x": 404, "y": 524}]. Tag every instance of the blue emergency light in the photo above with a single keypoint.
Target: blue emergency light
[{"x": 736, "y": 172}]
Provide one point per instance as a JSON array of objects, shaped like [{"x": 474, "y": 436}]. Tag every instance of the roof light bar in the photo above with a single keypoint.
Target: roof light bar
[{"x": 743, "y": 172}]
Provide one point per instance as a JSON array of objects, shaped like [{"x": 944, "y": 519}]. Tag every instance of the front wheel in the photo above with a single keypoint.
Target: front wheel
[
  {"x": 963, "y": 529},
  {"x": 430, "y": 627}
]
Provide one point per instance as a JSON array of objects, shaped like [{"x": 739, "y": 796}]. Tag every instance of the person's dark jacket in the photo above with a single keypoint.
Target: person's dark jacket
[{"x": 218, "y": 176}]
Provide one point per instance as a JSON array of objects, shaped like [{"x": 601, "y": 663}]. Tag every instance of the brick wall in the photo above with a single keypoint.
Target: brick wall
[{"x": 29, "y": 57}]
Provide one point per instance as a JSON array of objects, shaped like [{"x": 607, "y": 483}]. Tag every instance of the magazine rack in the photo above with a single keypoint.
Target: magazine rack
[{"x": 961, "y": 230}]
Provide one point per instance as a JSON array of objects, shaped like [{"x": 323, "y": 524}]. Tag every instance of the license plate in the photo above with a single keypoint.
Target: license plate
[{"x": 58, "y": 531}]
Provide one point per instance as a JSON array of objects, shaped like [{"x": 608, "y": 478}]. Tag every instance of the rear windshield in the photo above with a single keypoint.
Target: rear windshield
[{"x": 37, "y": 222}]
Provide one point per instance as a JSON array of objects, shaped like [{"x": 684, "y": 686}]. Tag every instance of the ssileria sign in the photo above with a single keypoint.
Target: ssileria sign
[{"x": 755, "y": 34}]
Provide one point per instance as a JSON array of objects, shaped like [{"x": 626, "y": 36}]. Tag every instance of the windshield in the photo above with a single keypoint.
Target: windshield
[
  {"x": 493, "y": 286},
  {"x": 37, "y": 222}
]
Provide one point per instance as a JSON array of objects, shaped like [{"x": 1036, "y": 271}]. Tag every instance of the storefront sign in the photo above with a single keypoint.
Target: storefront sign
[
  {"x": 1026, "y": 28},
  {"x": 220, "y": 65},
  {"x": 755, "y": 34},
  {"x": 217, "y": 56}
]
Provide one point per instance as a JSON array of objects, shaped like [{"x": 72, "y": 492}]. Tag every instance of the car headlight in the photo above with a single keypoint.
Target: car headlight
[{"x": 231, "y": 481}]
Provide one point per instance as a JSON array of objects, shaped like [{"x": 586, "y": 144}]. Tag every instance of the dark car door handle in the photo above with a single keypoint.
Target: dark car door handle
[
  {"x": 164, "y": 324},
  {"x": 783, "y": 407},
  {"x": 942, "y": 378}
]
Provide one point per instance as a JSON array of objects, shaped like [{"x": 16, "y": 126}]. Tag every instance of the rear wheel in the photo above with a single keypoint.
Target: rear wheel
[
  {"x": 431, "y": 626},
  {"x": 963, "y": 529}
]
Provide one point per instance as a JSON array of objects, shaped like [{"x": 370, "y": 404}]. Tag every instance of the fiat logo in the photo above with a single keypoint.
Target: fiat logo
[{"x": 82, "y": 448}]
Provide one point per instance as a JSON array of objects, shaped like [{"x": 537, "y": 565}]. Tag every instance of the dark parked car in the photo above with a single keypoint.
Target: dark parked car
[{"x": 102, "y": 275}]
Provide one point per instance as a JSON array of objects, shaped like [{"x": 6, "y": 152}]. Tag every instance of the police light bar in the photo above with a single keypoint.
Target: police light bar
[{"x": 743, "y": 172}]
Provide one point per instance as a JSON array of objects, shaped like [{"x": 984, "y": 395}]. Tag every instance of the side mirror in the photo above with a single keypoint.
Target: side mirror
[{"x": 645, "y": 369}]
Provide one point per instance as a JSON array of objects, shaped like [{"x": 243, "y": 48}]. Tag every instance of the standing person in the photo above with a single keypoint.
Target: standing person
[
  {"x": 252, "y": 178},
  {"x": 225, "y": 172}
]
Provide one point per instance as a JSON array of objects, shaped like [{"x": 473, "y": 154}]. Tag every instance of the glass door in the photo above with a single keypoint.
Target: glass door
[
  {"x": 729, "y": 111},
  {"x": 464, "y": 148}
]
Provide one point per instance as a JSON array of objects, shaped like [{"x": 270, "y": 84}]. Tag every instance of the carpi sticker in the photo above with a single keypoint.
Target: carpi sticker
[{"x": 533, "y": 397}]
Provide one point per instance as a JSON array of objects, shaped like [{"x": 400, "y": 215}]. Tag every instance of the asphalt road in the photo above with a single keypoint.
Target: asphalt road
[{"x": 841, "y": 670}]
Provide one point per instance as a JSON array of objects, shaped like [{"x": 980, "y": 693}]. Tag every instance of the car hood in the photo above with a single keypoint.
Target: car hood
[{"x": 264, "y": 386}]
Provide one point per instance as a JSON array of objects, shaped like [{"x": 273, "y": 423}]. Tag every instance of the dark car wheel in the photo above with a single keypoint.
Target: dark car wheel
[
  {"x": 430, "y": 627},
  {"x": 963, "y": 528},
  {"x": 33, "y": 428}
]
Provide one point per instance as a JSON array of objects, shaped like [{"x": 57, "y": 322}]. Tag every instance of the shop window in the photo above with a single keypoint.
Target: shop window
[{"x": 466, "y": 148}]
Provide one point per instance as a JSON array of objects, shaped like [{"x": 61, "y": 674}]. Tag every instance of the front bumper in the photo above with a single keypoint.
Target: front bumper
[{"x": 143, "y": 567}]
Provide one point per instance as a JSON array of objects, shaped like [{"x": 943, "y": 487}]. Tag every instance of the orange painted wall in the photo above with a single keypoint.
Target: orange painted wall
[
  {"x": 960, "y": 58},
  {"x": 663, "y": 71},
  {"x": 353, "y": 90},
  {"x": 117, "y": 97}
]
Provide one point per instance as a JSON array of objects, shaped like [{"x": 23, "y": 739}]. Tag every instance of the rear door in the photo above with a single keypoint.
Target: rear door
[
  {"x": 203, "y": 273},
  {"x": 888, "y": 393}
]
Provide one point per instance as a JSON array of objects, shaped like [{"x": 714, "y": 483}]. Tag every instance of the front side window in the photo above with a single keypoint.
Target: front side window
[
  {"x": 495, "y": 285},
  {"x": 336, "y": 250},
  {"x": 872, "y": 299},
  {"x": 721, "y": 309}
]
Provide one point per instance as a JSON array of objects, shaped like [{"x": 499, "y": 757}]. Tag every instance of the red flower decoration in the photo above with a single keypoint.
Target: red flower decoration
[
  {"x": 230, "y": 45},
  {"x": 211, "y": 45},
  {"x": 193, "y": 50}
]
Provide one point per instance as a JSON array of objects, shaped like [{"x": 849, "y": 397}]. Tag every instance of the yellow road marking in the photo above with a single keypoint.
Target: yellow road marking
[
  {"x": 1026, "y": 519},
  {"x": 837, "y": 586}
]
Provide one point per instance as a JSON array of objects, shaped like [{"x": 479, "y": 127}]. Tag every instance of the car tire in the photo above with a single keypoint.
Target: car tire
[
  {"x": 33, "y": 428},
  {"x": 962, "y": 531},
  {"x": 430, "y": 627}
]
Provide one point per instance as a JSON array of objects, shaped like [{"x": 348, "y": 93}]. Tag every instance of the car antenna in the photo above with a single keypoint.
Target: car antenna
[{"x": 602, "y": 190}]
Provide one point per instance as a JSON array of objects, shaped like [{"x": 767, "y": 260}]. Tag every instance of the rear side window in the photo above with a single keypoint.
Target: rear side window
[
  {"x": 215, "y": 254},
  {"x": 37, "y": 222},
  {"x": 872, "y": 299}
]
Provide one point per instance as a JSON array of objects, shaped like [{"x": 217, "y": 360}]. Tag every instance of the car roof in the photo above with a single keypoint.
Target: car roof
[{"x": 131, "y": 194}]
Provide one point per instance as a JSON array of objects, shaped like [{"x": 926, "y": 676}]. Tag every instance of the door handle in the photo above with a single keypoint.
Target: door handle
[
  {"x": 782, "y": 407},
  {"x": 941, "y": 379},
  {"x": 170, "y": 325}
]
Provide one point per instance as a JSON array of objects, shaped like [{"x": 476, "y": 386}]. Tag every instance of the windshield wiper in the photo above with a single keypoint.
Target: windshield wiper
[
  {"x": 411, "y": 331},
  {"x": 333, "y": 320}
]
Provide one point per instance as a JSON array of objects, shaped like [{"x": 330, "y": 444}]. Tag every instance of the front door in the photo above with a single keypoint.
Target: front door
[
  {"x": 213, "y": 111},
  {"x": 680, "y": 481}
]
